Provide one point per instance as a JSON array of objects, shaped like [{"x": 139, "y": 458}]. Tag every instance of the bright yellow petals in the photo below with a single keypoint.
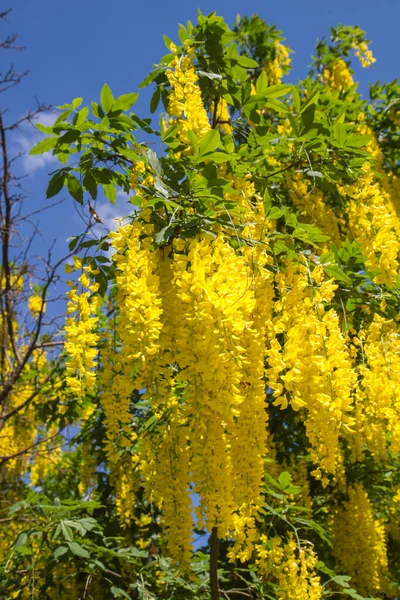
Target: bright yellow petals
[
  {"x": 359, "y": 542},
  {"x": 375, "y": 225},
  {"x": 363, "y": 54},
  {"x": 36, "y": 305},
  {"x": 279, "y": 65},
  {"x": 290, "y": 567},
  {"x": 185, "y": 103},
  {"x": 311, "y": 368},
  {"x": 80, "y": 336},
  {"x": 378, "y": 394},
  {"x": 338, "y": 76}
]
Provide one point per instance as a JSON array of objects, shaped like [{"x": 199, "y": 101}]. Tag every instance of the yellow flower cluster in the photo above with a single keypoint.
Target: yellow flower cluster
[
  {"x": 139, "y": 171},
  {"x": 184, "y": 101},
  {"x": 290, "y": 566},
  {"x": 80, "y": 337},
  {"x": 180, "y": 310},
  {"x": 338, "y": 76},
  {"x": 18, "y": 432},
  {"x": 278, "y": 66},
  {"x": 311, "y": 369},
  {"x": 363, "y": 54},
  {"x": 311, "y": 204},
  {"x": 36, "y": 305},
  {"x": 125, "y": 484},
  {"x": 377, "y": 398},
  {"x": 359, "y": 542},
  {"x": 375, "y": 225}
]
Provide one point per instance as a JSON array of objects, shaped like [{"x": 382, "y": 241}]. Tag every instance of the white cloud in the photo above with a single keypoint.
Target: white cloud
[
  {"x": 27, "y": 136},
  {"x": 111, "y": 213}
]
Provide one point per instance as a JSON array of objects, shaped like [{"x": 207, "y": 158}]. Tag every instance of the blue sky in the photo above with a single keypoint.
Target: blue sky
[{"x": 72, "y": 48}]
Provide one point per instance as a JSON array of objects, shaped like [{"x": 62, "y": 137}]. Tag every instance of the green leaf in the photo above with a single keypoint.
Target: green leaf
[
  {"x": 167, "y": 41},
  {"x": 246, "y": 62},
  {"x": 44, "y": 145},
  {"x": 76, "y": 102},
  {"x": 354, "y": 594},
  {"x": 278, "y": 90},
  {"x": 106, "y": 98},
  {"x": 21, "y": 541},
  {"x": 209, "y": 142},
  {"x": 81, "y": 116},
  {"x": 340, "y": 133},
  {"x": 90, "y": 184},
  {"x": 97, "y": 110},
  {"x": 164, "y": 235},
  {"x": 74, "y": 187},
  {"x": 274, "y": 213},
  {"x": 78, "y": 550},
  {"x": 110, "y": 191},
  {"x": 119, "y": 592},
  {"x": 218, "y": 157},
  {"x": 262, "y": 83},
  {"x": 337, "y": 273},
  {"x": 342, "y": 580},
  {"x": 124, "y": 102},
  {"x": 67, "y": 532},
  {"x": 155, "y": 100},
  {"x": 296, "y": 100},
  {"x": 60, "y": 551},
  {"x": 285, "y": 479},
  {"x": 55, "y": 184},
  {"x": 278, "y": 106},
  {"x": 357, "y": 141}
]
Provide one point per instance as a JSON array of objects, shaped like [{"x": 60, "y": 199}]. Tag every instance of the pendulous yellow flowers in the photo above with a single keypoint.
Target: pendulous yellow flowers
[
  {"x": 80, "y": 335},
  {"x": 359, "y": 542},
  {"x": 185, "y": 102}
]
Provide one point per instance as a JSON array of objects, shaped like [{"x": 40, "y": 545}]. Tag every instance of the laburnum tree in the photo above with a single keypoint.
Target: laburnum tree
[{"x": 235, "y": 340}]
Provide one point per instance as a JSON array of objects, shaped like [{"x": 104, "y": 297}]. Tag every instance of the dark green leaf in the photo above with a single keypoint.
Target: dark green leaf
[
  {"x": 78, "y": 550},
  {"x": 55, "y": 184},
  {"x": 21, "y": 541},
  {"x": 60, "y": 551},
  {"x": 74, "y": 187},
  {"x": 337, "y": 273}
]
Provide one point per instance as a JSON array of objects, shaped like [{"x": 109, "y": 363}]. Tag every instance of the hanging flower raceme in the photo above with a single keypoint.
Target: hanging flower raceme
[
  {"x": 80, "y": 336},
  {"x": 185, "y": 103},
  {"x": 359, "y": 542},
  {"x": 279, "y": 65},
  {"x": 375, "y": 225},
  {"x": 363, "y": 54},
  {"x": 36, "y": 305},
  {"x": 179, "y": 310},
  {"x": 290, "y": 567},
  {"x": 309, "y": 364},
  {"x": 338, "y": 75},
  {"x": 378, "y": 393}
]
